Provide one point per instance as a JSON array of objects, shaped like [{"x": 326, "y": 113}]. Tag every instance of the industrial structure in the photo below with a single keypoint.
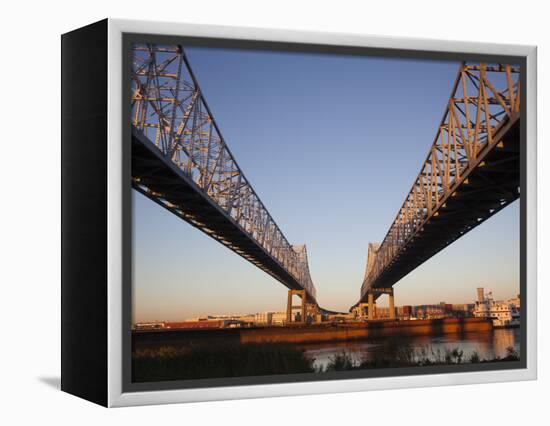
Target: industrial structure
[
  {"x": 471, "y": 172},
  {"x": 181, "y": 161}
]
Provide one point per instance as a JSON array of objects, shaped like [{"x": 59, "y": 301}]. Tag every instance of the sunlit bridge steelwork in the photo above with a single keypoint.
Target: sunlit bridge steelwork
[
  {"x": 181, "y": 161},
  {"x": 472, "y": 171}
]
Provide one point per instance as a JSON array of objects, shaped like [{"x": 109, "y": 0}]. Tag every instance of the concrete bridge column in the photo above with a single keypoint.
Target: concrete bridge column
[
  {"x": 303, "y": 307},
  {"x": 290, "y": 307},
  {"x": 392, "y": 306},
  {"x": 371, "y": 307}
]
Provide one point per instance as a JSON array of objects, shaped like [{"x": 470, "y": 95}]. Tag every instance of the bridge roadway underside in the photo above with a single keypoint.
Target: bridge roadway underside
[
  {"x": 159, "y": 175},
  {"x": 490, "y": 188}
]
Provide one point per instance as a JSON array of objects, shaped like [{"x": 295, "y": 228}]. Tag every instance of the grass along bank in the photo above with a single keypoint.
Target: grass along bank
[
  {"x": 407, "y": 356},
  {"x": 218, "y": 360},
  {"x": 204, "y": 361}
]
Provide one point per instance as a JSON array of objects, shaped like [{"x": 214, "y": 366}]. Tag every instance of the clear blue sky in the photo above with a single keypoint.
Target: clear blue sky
[{"x": 331, "y": 145}]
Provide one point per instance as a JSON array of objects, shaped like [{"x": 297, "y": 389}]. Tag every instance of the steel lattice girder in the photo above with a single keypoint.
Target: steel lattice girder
[
  {"x": 471, "y": 172},
  {"x": 181, "y": 161}
]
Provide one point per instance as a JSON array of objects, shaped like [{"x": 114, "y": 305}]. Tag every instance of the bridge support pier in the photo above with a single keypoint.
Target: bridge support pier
[
  {"x": 371, "y": 306},
  {"x": 392, "y": 305},
  {"x": 290, "y": 307},
  {"x": 371, "y": 309}
]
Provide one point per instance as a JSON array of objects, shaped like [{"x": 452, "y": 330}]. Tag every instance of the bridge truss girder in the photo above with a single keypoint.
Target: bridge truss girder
[
  {"x": 471, "y": 172},
  {"x": 181, "y": 161}
]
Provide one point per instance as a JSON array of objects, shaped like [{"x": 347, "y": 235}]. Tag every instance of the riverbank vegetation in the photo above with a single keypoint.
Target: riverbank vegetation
[
  {"x": 218, "y": 360},
  {"x": 407, "y": 356}
]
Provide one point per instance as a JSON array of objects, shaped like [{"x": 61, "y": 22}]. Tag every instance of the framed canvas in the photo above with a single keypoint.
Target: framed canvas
[{"x": 252, "y": 212}]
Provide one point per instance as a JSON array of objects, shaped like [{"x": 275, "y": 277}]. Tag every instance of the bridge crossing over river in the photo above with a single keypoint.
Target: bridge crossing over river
[{"x": 181, "y": 161}]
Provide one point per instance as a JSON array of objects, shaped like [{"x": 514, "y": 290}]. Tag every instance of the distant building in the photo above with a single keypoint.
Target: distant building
[
  {"x": 278, "y": 318},
  {"x": 429, "y": 311},
  {"x": 149, "y": 325},
  {"x": 264, "y": 318},
  {"x": 382, "y": 312},
  {"x": 248, "y": 318},
  {"x": 202, "y": 323},
  {"x": 461, "y": 310},
  {"x": 404, "y": 312}
]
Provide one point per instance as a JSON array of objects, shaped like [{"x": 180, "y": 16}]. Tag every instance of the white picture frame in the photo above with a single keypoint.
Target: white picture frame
[{"x": 116, "y": 395}]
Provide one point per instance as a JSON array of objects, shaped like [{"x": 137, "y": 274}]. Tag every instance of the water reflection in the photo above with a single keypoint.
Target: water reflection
[{"x": 488, "y": 345}]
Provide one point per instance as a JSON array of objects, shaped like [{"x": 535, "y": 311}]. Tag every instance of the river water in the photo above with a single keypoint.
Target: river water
[{"x": 487, "y": 344}]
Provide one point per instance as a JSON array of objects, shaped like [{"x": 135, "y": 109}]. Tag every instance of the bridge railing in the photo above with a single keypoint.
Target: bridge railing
[
  {"x": 169, "y": 108},
  {"x": 483, "y": 98}
]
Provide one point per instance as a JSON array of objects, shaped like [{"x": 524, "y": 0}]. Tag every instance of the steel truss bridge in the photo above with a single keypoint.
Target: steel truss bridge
[
  {"x": 471, "y": 172},
  {"x": 181, "y": 161}
]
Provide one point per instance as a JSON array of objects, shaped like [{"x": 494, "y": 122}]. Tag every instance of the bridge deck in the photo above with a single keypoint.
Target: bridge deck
[
  {"x": 167, "y": 185},
  {"x": 492, "y": 185}
]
